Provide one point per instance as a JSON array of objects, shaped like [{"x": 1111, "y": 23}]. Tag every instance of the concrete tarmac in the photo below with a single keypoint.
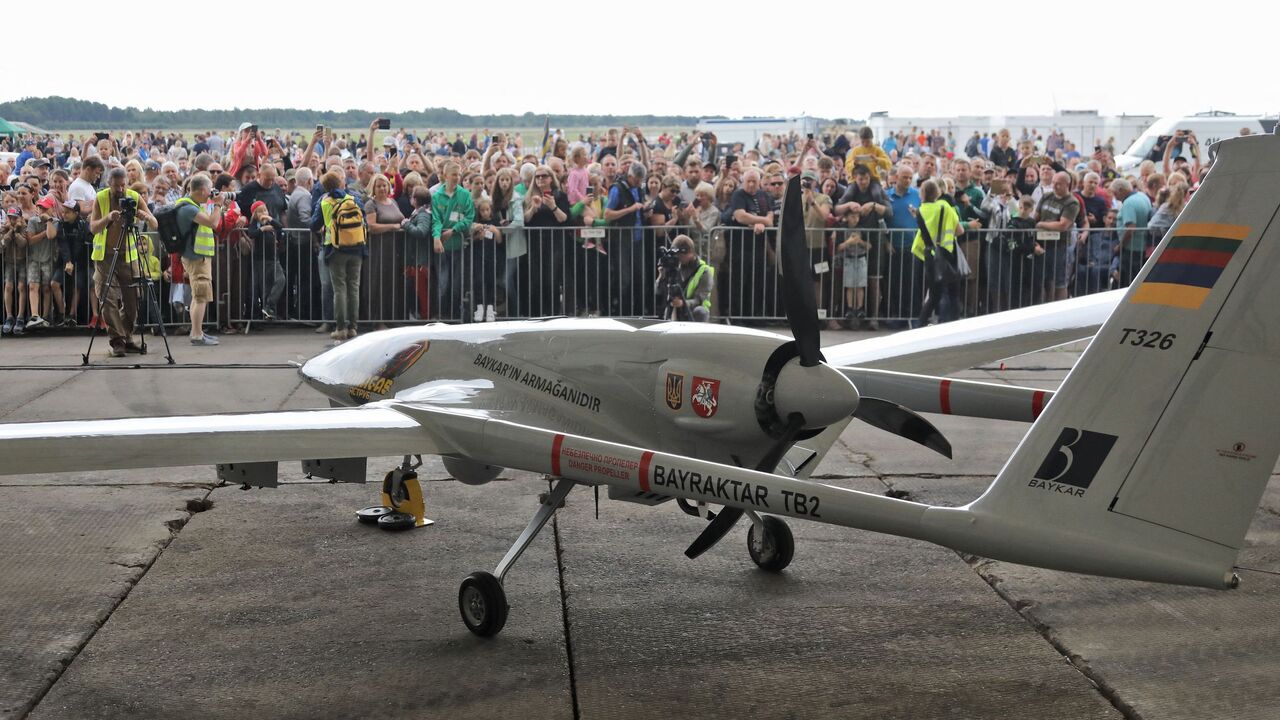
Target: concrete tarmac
[{"x": 153, "y": 594}]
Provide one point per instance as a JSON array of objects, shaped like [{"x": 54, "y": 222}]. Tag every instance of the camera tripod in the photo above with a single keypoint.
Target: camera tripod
[
  {"x": 675, "y": 289},
  {"x": 141, "y": 279}
]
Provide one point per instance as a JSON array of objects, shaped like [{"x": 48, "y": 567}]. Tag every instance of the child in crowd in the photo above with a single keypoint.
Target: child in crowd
[
  {"x": 74, "y": 241},
  {"x": 486, "y": 239},
  {"x": 579, "y": 179},
  {"x": 1027, "y": 253},
  {"x": 42, "y": 232},
  {"x": 421, "y": 247},
  {"x": 13, "y": 245}
]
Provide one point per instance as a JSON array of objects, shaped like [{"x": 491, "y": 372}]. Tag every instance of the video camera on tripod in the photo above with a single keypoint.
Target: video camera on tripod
[
  {"x": 128, "y": 211},
  {"x": 669, "y": 265}
]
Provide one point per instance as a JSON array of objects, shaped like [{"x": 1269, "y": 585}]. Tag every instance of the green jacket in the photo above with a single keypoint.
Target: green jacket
[{"x": 452, "y": 213}]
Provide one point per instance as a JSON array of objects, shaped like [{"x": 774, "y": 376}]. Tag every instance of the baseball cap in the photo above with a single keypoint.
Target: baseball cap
[
  {"x": 70, "y": 204},
  {"x": 47, "y": 202},
  {"x": 256, "y": 204},
  {"x": 153, "y": 165},
  {"x": 388, "y": 141},
  {"x": 245, "y": 126},
  {"x": 809, "y": 175},
  {"x": 39, "y": 162},
  {"x": 14, "y": 212},
  {"x": 1081, "y": 167}
]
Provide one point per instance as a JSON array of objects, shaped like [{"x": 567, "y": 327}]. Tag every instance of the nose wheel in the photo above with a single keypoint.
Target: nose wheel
[
  {"x": 483, "y": 604},
  {"x": 481, "y": 600},
  {"x": 770, "y": 543}
]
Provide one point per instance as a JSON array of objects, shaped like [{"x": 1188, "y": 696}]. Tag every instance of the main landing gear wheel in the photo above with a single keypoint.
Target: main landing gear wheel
[
  {"x": 396, "y": 521},
  {"x": 370, "y": 515},
  {"x": 483, "y": 604},
  {"x": 774, "y": 551}
]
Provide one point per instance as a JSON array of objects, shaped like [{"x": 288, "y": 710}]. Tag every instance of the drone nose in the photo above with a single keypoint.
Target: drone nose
[{"x": 822, "y": 394}]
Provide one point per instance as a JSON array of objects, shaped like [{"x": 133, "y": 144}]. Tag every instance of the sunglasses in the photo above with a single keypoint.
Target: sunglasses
[{"x": 541, "y": 177}]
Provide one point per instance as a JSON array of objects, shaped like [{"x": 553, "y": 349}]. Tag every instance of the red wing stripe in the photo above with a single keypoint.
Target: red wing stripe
[
  {"x": 555, "y": 454},
  {"x": 944, "y": 397},
  {"x": 645, "y": 459},
  {"x": 1037, "y": 404}
]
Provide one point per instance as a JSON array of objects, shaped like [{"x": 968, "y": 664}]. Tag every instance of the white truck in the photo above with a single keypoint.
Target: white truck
[{"x": 1209, "y": 128}]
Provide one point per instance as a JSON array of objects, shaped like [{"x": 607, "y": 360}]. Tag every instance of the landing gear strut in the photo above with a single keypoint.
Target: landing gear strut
[{"x": 481, "y": 599}]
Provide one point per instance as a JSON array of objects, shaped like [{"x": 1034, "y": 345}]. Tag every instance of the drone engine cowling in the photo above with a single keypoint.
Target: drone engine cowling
[{"x": 470, "y": 472}]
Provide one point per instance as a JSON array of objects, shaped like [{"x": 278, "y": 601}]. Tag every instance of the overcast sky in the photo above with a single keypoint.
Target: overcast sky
[{"x": 826, "y": 59}]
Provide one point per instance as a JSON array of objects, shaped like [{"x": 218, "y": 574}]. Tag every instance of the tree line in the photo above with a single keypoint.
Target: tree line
[{"x": 61, "y": 113}]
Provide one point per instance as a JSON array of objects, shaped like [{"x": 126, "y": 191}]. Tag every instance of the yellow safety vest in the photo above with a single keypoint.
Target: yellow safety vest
[
  {"x": 204, "y": 240},
  {"x": 929, "y": 213},
  {"x": 327, "y": 206},
  {"x": 100, "y": 240},
  {"x": 692, "y": 286}
]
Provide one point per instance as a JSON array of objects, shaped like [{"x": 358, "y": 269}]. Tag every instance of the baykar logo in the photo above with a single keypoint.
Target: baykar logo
[
  {"x": 705, "y": 396},
  {"x": 1073, "y": 461},
  {"x": 675, "y": 391}
]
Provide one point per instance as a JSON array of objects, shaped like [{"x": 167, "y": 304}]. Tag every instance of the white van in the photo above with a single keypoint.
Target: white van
[{"x": 1209, "y": 127}]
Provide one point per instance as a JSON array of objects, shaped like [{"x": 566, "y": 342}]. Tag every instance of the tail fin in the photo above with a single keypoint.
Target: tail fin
[{"x": 1151, "y": 459}]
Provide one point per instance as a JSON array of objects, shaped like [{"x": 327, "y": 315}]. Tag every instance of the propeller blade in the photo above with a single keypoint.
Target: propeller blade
[
  {"x": 797, "y": 276},
  {"x": 724, "y": 521},
  {"x": 715, "y": 531},
  {"x": 898, "y": 420}
]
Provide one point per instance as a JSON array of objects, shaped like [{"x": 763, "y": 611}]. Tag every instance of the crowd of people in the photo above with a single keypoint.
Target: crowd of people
[{"x": 359, "y": 230}]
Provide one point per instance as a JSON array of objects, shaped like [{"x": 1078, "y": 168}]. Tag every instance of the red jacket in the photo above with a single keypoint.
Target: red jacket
[{"x": 240, "y": 149}]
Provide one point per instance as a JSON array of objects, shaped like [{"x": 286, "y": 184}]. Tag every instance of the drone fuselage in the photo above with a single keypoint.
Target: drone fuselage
[{"x": 688, "y": 387}]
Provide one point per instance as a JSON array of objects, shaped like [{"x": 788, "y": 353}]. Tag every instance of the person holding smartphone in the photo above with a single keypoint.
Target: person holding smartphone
[{"x": 248, "y": 149}]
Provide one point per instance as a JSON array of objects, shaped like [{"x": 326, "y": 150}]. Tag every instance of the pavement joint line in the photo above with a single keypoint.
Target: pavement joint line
[
  {"x": 175, "y": 526},
  {"x": 71, "y": 377},
  {"x": 564, "y": 614},
  {"x": 1026, "y": 609},
  {"x": 288, "y": 396}
]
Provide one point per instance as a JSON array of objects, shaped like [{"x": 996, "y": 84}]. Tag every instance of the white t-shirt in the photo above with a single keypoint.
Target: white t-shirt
[{"x": 81, "y": 191}]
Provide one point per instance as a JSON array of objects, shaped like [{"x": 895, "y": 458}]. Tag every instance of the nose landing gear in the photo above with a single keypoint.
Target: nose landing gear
[{"x": 481, "y": 600}]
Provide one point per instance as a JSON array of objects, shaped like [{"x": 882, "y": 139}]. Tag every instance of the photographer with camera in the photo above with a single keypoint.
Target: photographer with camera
[
  {"x": 686, "y": 282},
  {"x": 198, "y": 218},
  {"x": 115, "y": 259}
]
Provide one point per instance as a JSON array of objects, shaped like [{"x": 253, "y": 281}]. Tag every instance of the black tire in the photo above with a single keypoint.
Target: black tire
[
  {"x": 370, "y": 515},
  {"x": 483, "y": 604},
  {"x": 778, "y": 548},
  {"x": 397, "y": 521}
]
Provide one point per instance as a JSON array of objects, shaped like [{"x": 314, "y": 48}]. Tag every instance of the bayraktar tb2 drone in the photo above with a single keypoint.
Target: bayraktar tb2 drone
[{"x": 1148, "y": 462}]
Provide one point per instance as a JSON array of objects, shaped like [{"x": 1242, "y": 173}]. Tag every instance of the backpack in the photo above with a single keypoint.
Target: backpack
[
  {"x": 348, "y": 224},
  {"x": 171, "y": 236}
]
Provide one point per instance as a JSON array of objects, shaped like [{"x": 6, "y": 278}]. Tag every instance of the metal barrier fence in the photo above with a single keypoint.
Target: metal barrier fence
[{"x": 863, "y": 275}]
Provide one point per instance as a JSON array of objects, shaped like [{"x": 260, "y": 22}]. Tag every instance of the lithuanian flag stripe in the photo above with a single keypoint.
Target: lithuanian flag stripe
[
  {"x": 1179, "y": 296},
  {"x": 1215, "y": 230},
  {"x": 1189, "y": 265}
]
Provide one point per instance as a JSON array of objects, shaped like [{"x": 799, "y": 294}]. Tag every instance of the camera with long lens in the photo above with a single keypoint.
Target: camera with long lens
[
  {"x": 669, "y": 260},
  {"x": 128, "y": 210}
]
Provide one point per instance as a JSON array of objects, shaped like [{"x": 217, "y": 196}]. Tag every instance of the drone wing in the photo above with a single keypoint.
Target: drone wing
[
  {"x": 940, "y": 349},
  {"x": 370, "y": 430}
]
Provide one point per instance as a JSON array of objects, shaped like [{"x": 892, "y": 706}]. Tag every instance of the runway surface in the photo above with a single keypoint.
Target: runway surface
[{"x": 152, "y": 594}]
